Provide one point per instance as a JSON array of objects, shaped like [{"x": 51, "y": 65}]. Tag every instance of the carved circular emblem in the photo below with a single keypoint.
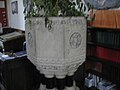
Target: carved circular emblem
[
  {"x": 75, "y": 40},
  {"x": 30, "y": 39}
]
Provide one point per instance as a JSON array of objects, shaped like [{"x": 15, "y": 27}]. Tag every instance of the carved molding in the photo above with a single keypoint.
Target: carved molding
[{"x": 58, "y": 67}]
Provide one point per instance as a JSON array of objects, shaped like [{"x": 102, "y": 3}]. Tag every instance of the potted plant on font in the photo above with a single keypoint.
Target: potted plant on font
[{"x": 55, "y": 40}]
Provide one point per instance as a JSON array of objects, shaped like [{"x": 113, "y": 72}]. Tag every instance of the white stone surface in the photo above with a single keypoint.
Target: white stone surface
[{"x": 59, "y": 48}]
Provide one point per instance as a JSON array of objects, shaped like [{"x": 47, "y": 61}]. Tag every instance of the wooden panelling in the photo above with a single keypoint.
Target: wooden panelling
[{"x": 107, "y": 19}]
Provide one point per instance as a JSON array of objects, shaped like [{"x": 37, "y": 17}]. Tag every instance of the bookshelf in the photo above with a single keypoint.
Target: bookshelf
[
  {"x": 103, "y": 54},
  {"x": 3, "y": 13}
]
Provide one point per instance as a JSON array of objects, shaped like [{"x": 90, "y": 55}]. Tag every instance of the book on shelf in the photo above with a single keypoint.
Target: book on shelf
[
  {"x": 106, "y": 85},
  {"x": 20, "y": 54},
  {"x": 104, "y": 53},
  {"x": 93, "y": 80},
  {"x": 108, "y": 38}
]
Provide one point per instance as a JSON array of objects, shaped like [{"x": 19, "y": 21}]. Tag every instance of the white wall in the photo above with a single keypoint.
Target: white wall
[{"x": 16, "y": 20}]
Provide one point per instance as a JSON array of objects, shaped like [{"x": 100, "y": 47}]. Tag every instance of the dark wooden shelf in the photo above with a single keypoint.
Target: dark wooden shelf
[
  {"x": 95, "y": 72},
  {"x": 91, "y": 88},
  {"x": 103, "y": 45},
  {"x": 96, "y": 59},
  {"x": 103, "y": 29}
]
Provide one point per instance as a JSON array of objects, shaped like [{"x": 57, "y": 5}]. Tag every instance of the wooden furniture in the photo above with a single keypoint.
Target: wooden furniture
[
  {"x": 103, "y": 46},
  {"x": 20, "y": 74},
  {"x": 6, "y": 30},
  {"x": 12, "y": 41},
  {"x": 106, "y": 19},
  {"x": 103, "y": 54}
]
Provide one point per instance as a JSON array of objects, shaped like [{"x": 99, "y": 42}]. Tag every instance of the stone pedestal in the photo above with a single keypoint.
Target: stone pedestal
[{"x": 56, "y": 47}]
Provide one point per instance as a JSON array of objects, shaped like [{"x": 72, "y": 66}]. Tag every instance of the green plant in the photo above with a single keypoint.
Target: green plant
[
  {"x": 54, "y": 8},
  {"x": 50, "y": 8}
]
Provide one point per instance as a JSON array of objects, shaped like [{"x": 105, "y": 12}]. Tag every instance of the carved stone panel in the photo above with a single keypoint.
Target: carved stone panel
[{"x": 58, "y": 47}]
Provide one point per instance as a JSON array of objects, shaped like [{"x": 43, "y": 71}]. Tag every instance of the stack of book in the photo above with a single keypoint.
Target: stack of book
[
  {"x": 104, "y": 53},
  {"x": 106, "y": 37},
  {"x": 105, "y": 85}
]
